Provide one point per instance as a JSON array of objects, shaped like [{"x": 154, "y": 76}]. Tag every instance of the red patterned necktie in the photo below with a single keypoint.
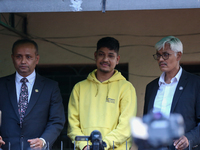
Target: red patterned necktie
[{"x": 23, "y": 100}]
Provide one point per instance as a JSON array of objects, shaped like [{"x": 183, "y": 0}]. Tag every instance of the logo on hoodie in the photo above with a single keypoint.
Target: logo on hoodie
[{"x": 110, "y": 100}]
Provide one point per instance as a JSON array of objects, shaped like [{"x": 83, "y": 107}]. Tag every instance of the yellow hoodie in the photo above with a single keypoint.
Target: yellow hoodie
[{"x": 105, "y": 106}]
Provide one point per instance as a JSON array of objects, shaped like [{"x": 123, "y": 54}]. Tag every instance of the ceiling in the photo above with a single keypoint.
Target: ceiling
[{"x": 19, "y": 6}]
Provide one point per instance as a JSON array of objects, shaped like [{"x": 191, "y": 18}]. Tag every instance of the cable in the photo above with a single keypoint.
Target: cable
[
  {"x": 18, "y": 22},
  {"x": 54, "y": 43},
  {"x": 108, "y": 35},
  {"x": 134, "y": 35},
  {"x": 57, "y": 44},
  {"x": 93, "y": 47},
  {"x": 4, "y": 18}
]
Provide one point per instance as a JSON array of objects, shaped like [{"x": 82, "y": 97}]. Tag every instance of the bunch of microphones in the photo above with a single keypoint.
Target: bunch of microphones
[
  {"x": 155, "y": 131},
  {"x": 95, "y": 138}
]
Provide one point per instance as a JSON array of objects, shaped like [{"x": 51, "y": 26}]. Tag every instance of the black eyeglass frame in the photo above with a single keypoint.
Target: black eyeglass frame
[{"x": 156, "y": 57}]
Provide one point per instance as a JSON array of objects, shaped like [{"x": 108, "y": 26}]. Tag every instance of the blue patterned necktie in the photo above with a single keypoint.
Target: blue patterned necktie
[{"x": 23, "y": 100}]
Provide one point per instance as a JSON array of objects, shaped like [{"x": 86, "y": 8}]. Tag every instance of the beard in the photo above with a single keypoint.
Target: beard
[{"x": 104, "y": 71}]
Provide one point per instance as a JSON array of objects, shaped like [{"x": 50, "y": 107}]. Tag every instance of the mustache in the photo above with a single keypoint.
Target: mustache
[
  {"x": 162, "y": 63},
  {"x": 23, "y": 65},
  {"x": 104, "y": 63}
]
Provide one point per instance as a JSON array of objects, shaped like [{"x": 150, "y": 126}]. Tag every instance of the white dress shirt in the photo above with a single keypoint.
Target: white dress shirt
[{"x": 165, "y": 94}]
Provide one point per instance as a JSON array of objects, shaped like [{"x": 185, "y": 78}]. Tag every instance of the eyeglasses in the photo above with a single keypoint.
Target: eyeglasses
[{"x": 165, "y": 56}]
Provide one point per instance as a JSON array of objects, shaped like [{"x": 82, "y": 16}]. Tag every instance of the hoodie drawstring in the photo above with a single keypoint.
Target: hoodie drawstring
[
  {"x": 97, "y": 90},
  {"x": 108, "y": 89}
]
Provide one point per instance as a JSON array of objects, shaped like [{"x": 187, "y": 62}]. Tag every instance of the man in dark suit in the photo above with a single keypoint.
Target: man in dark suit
[
  {"x": 175, "y": 91},
  {"x": 31, "y": 105}
]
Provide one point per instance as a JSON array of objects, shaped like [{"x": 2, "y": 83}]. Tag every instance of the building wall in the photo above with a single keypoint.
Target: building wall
[{"x": 137, "y": 32}]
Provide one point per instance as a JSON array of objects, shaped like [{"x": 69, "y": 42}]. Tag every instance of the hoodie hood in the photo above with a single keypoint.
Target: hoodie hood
[{"x": 116, "y": 77}]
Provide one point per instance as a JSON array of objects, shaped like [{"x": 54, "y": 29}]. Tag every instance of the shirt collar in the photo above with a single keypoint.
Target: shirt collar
[
  {"x": 31, "y": 77},
  {"x": 176, "y": 78}
]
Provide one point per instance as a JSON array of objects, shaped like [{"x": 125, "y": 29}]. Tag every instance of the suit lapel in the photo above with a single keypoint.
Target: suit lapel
[
  {"x": 153, "y": 95},
  {"x": 12, "y": 93},
  {"x": 179, "y": 90},
  {"x": 36, "y": 91}
]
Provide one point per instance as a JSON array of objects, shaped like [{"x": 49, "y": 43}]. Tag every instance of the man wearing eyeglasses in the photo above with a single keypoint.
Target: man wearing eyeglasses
[{"x": 175, "y": 91}]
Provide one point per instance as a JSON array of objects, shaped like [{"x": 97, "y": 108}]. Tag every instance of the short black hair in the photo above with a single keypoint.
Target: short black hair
[
  {"x": 109, "y": 42},
  {"x": 24, "y": 41}
]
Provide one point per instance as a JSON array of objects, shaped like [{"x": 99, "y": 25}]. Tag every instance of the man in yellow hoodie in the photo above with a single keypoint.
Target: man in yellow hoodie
[{"x": 105, "y": 101}]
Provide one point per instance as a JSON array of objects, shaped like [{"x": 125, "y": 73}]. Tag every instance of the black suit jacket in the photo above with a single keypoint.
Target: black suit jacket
[
  {"x": 44, "y": 116},
  {"x": 186, "y": 101}
]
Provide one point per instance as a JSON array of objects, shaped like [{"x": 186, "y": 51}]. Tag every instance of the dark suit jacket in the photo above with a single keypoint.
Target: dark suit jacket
[
  {"x": 44, "y": 116},
  {"x": 186, "y": 101}
]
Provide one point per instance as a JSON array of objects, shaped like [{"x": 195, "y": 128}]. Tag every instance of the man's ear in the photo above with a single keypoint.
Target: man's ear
[
  {"x": 37, "y": 58},
  {"x": 118, "y": 58},
  {"x": 95, "y": 55},
  {"x": 179, "y": 55}
]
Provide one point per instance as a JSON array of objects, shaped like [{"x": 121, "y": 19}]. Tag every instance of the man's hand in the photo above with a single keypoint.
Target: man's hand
[
  {"x": 36, "y": 143},
  {"x": 181, "y": 143},
  {"x": 1, "y": 141},
  {"x": 86, "y": 148}
]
